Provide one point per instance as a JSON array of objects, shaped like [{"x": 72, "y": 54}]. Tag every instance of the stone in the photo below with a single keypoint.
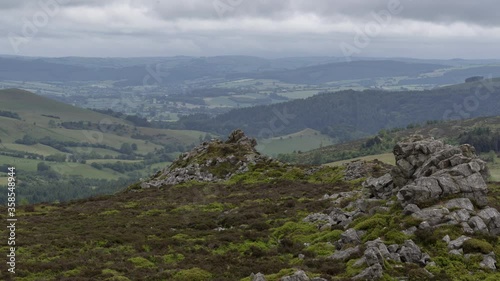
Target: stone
[
  {"x": 393, "y": 248},
  {"x": 410, "y": 209},
  {"x": 257, "y": 277},
  {"x": 478, "y": 224},
  {"x": 446, "y": 239},
  {"x": 317, "y": 217},
  {"x": 373, "y": 272},
  {"x": 458, "y": 243},
  {"x": 456, "y": 252},
  {"x": 427, "y": 170},
  {"x": 381, "y": 187},
  {"x": 350, "y": 236},
  {"x": 193, "y": 165},
  {"x": 297, "y": 276},
  {"x": 346, "y": 254},
  {"x": 459, "y": 216},
  {"x": 488, "y": 262},
  {"x": 410, "y": 252},
  {"x": 491, "y": 218},
  {"x": 460, "y": 203},
  {"x": 432, "y": 215},
  {"x": 466, "y": 228}
]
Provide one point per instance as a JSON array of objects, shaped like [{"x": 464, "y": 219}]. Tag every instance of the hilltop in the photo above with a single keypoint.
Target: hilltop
[{"x": 430, "y": 217}]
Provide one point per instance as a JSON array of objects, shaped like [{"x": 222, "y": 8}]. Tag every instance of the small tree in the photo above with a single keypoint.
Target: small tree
[{"x": 42, "y": 167}]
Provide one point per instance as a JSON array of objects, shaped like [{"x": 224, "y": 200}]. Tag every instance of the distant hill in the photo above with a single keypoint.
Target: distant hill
[
  {"x": 348, "y": 115},
  {"x": 64, "y": 152},
  {"x": 324, "y": 73}
]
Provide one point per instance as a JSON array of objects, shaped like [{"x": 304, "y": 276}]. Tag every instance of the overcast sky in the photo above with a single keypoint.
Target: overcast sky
[{"x": 268, "y": 28}]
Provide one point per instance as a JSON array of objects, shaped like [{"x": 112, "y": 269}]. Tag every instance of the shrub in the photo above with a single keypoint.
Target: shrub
[
  {"x": 141, "y": 262},
  {"x": 475, "y": 245},
  {"x": 193, "y": 274}
]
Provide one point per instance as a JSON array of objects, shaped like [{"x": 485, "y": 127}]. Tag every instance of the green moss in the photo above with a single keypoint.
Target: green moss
[
  {"x": 322, "y": 249},
  {"x": 173, "y": 258},
  {"x": 477, "y": 246},
  {"x": 395, "y": 237},
  {"x": 110, "y": 212},
  {"x": 141, "y": 262},
  {"x": 370, "y": 224},
  {"x": 295, "y": 230},
  {"x": 193, "y": 274},
  {"x": 72, "y": 272}
]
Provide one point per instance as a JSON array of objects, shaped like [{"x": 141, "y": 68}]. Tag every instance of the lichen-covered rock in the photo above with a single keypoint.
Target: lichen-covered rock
[
  {"x": 373, "y": 272},
  {"x": 257, "y": 277},
  {"x": 212, "y": 162},
  {"x": 297, "y": 276},
  {"x": 428, "y": 170},
  {"x": 381, "y": 187}
]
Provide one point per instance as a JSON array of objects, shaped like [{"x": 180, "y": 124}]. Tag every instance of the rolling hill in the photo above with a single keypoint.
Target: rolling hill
[
  {"x": 349, "y": 115},
  {"x": 63, "y": 152}
]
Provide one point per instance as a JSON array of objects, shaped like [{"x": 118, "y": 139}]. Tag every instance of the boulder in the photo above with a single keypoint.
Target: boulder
[
  {"x": 297, "y": 276},
  {"x": 381, "y": 187},
  {"x": 458, "y": 243},
  {"x": 373, "y": 272},
  {"x": 346, "y": 254},
  {"x": 257, "y": 277},
  {"x": 488, "y": 262}
]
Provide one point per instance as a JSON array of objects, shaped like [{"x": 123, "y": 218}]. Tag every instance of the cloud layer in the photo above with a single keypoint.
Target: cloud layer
[{"x": 410, "y": 28}]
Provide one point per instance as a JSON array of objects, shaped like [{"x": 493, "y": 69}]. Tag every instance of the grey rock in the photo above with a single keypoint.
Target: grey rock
[
  {"x": 317, "y": 217},
  {"x": 432, "y": 215},
  {"x": 393, "y": 248},
  {"x": 373, "y": 272},
  {"x": 466, "y": 228},
  {"x": 381, "y": 187},
  {"x": 257, "y": 277},
  {"x": 457, "y": 243},
  {"x": 491, "y": 218},
  {"x": 428, "y": 170},
  {"x": 488, "y": 262},
  {"x": 478, "y": 224},
  {"x": 318, "y": 279},
  {"x": 459, "y": 216},
  {"x": 410, "y": 231},
  {"x": 410, "y": 252},
  {"x": 350, "y": 236},
  {"x": 297, "y": 276},
  {"x": 456, "y": 252},
  {"x": 446, "y": 239},
  {"x": 346, "y": 254},
  {"x": 411, "y": 209},
  {"x": 460, "y": 203},
  {"x": 424, "y": 225}
]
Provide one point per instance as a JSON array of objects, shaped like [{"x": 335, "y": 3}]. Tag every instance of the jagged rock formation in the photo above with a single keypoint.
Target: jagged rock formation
[
  {"x": 428, "y": 169},
  {"x": 211, "y": 161},
  {"x": 437, "y": 184}
]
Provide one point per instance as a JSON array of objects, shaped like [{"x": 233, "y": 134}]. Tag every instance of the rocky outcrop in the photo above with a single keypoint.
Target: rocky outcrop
[
  {"x": 211, "y": 162},
  {"x": 428, "y": 170}
]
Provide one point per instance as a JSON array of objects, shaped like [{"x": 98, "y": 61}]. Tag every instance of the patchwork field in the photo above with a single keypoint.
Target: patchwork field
[{"x": 305, "y": 140}]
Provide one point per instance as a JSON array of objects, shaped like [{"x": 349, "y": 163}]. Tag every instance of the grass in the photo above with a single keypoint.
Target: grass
[
  {"x": 304, "y": 140},
  {"x": 386, "y": 158},
  {"x": 138, "y": 235},
  {"x": 37, "y": 148}
]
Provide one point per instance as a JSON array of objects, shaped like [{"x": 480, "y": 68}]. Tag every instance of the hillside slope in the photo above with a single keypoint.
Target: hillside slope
[{"x": 276, "y": 220}]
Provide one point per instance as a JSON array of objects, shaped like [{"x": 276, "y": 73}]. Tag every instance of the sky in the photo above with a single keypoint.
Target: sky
[{"x": 442, "y": 29}]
